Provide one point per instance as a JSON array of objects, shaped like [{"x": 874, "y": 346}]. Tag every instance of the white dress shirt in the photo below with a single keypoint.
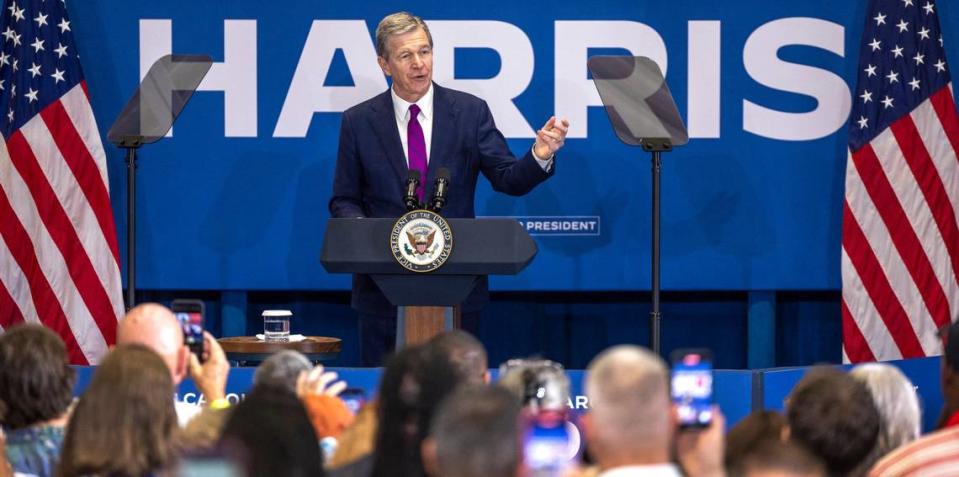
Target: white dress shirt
[
  {"x": 401, "y": 110},
  {"x": 659, "y": 470}
]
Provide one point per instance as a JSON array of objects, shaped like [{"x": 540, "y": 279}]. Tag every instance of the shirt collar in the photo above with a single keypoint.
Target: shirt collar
[
  {"x": 401, "y": 107},
  {"x": 656, "y": 470}
]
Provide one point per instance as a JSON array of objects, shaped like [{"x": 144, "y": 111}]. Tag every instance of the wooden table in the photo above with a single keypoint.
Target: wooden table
[{"x": 243, "y": 349}]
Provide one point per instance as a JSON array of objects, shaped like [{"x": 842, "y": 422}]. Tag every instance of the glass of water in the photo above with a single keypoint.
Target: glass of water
[{"x": 276, "y": 325}]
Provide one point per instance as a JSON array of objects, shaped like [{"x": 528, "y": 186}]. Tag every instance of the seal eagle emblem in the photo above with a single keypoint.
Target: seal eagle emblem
[{"x": 421, "y": 241}]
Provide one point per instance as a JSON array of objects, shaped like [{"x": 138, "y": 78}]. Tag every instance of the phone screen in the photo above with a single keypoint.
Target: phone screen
[
  {"x": 354, "y": 398},
  {"x": 549, "y": 447},
  {"x": 692, "y": 387},
  {"x": 190, "y": 315}
]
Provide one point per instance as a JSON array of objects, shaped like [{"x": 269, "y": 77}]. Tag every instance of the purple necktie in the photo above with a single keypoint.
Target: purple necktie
[{"x": 416, "y": 148}]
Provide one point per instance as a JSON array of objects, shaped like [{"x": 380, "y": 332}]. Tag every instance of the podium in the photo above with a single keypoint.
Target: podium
[{"x": 428, "y": 302}]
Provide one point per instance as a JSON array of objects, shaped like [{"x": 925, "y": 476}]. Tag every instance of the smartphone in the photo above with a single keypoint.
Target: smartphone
[
  {"x": 354, "y": 398},
  {"x": 691, "y": 387},
  {"x": 191, "y": 316},
  {"x": 548, "y": 448},
  {"x": 209, "y": 466}
]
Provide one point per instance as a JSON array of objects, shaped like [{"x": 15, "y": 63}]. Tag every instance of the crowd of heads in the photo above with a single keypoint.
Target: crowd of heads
[{"x": 436, "y": 413}]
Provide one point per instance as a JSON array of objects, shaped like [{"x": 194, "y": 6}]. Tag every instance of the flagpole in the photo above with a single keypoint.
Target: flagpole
[{"x": 131, "y": 225}]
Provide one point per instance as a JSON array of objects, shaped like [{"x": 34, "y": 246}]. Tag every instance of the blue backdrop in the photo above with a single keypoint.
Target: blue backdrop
[{"x": 236, "y": 198}]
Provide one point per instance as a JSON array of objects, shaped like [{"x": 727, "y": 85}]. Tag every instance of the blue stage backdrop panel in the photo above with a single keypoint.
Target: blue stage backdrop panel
[{"x": 237, "y": 198}]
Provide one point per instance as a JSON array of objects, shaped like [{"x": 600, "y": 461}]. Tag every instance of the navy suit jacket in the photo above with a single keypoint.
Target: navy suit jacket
[{"x": 371, "y": 170}]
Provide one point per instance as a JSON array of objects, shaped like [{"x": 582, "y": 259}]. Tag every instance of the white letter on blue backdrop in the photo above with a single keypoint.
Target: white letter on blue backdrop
[
  {"x": 762, "y": 64},
  {"x": 702, "y": 104},
  {"x": 575, "y": 92},
  {"x": 235, "y": 75},
  {"x": 516, "y": 57},
  {"x": 307, "y": 95}
]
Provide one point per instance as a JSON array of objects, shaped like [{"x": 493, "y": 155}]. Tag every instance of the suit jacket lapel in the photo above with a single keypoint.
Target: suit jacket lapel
[
  {"x": 384, "y": 122},
  {"x": 444, "y": 134}
]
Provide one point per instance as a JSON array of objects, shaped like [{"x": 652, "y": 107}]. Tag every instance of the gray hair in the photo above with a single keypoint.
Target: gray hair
[
  {"x": 398, "y": 23},
  {"x": 628, "y": 391},
  {"x": 897, "y": 403},
  {"x": 282, "y": 370}
]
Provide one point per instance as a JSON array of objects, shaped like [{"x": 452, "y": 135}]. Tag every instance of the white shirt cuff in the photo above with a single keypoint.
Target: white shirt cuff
[{"x": 546, "y": 164}]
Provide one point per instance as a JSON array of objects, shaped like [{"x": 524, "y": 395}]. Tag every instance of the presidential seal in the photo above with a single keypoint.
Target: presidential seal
[{"x": 421, "y": 241}]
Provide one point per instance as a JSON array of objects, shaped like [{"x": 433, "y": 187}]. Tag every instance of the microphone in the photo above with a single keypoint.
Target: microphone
[
  {"x": 412, "y": 182},
  {"x": 440, "y": 188}
]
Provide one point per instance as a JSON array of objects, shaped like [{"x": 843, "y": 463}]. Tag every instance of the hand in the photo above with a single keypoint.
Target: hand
[
  {"x": 700, "y": 451},
  {"x": 551, "y": 137},
  {"x": 210, "y": 377},
  {"x": 318, "y": 382}
]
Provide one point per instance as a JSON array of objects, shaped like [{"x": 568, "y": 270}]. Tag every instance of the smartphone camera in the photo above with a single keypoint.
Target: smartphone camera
[
  {"x": 691, "y": 387},
  {"x": 190, "y": 314}
]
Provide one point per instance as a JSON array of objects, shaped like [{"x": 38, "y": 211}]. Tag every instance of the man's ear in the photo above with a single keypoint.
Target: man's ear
[
  {"x": 182, "y": 364},
  {"x": 384, "y": 65},
  {"x": 428, "y": 454}
]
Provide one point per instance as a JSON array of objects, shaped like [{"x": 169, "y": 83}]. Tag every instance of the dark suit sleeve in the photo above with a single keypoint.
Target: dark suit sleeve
[
  {"x": 348, "y": 178},
  {"x": 507, "y": 174}
]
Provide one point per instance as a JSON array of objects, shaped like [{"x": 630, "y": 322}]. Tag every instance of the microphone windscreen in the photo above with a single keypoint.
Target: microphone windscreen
[
  {"x": 443, "y": 173},
  {"x": 413, "y": 175}
]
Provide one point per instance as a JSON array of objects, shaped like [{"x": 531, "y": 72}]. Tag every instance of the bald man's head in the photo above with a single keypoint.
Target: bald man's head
[{"x": 154, "y": 326}]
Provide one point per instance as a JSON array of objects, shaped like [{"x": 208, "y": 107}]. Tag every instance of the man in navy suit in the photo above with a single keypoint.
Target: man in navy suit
[{"x": 422, "y": 126}]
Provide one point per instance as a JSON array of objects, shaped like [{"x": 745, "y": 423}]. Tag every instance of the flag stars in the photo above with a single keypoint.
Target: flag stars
[
  {"x": 863, "y": 122},
  {"x": 8, "y": 34},
  {"x": 870, "y": 71},
  {"x": 4, "y": 59},
  {"x": 914, "y": 84},
  {"x": 903, "y": 26},
  {"x": 880, "y": 19},
  {"x": 866, "y": 96},
  {"x": 928, "y": 8},
  {"x": 906, "y": 3},
  {"x": 32, "y": 95},
  {"x": 919, "y": 58},
  {"x": 38, "y": 45},
  {"x": 893, "y": 77},
  {"x": 61, "y": 50},
  {"x": 34, "y": 70},
  {"x": 887, "y": 102},
  {"x": 924, "y": 33},
  {"x": 16, "y": 39},
  {"x": 18, "y": 13},
  {"x": 16, "y": 64},
  {"x": 64, "y": 25},
  {"x": 10, "y": 115},
  {"x": 897, "y": 51},
  {"x": 940, "y": 66},
  {"x": 875, "y": 44},
  {"x": 41, "y": 19},
  {"x": 57, "y": 76}
]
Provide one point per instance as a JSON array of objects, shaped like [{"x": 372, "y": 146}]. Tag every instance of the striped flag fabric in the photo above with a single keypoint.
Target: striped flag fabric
[
  {"x": 900, "y": 240},
  {"x": 59, "y": 261}
]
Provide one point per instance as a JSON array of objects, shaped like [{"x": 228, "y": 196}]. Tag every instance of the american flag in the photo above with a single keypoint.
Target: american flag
[
  {"x": 900, "y": 243},
  {"x": 59, "y": 263}
]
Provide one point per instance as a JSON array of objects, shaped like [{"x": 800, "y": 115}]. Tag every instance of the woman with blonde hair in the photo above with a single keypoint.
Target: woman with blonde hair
[{"x": 125, "y": 422}]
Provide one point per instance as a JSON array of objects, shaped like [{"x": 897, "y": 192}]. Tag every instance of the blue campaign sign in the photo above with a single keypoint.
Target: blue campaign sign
[
  {"x": 924, "y": 374},
  {"x": 237, "y": 197}
]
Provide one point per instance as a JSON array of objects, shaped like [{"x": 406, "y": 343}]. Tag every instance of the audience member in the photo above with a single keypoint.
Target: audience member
[
  {"x": 36, "y": 389},
  {"x": 834, "y": 416},
  {"x": 898, "y": 405},
  {"x": 755, "y": 429},
  {"x": 476, "y": 433},
  {"x": 414, "y": 383},
  {"x": 357, "y": 442},
  {"x": 156, "y": 327},
  {"x": 124, "y": 424},
  {"x": 319, "y": 391},
  {"x": 630, "y": 427},
  {"x": 282, "y": 370},
  {"x": 777, "y": 458},
  {"x": 273, "y": 430},
  {"x": 466, "y": 353},
  {"x": 936, "y": 453}
]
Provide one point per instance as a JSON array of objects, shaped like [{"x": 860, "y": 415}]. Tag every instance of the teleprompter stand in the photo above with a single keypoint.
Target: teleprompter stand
[
  {"x": 643, "y": 113},
  {"x": 427, "y": 302},
  {"x": 147, "y": 117}
]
